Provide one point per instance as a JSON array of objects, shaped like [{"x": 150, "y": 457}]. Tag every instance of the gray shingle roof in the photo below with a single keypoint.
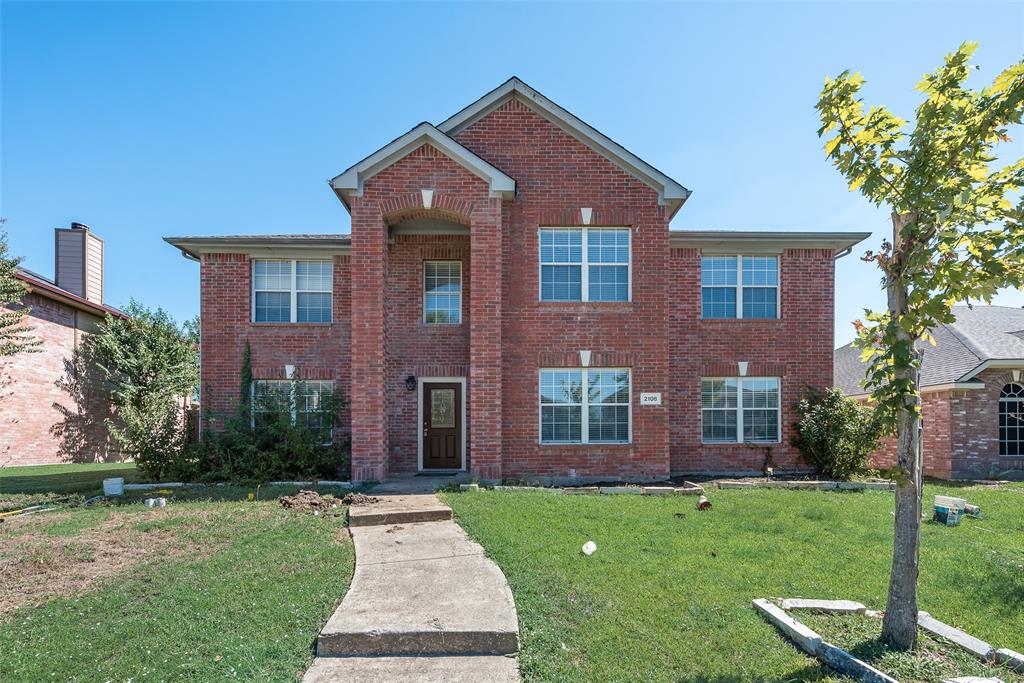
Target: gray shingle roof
[{"x": 980, "y": 334}]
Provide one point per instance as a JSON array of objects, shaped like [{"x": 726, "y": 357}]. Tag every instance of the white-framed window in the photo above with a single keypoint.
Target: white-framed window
[
  {"x": 1011, "y": 420},
  {"x": 739, "y": 287},
  {"x": 442, "y": 292},
  {"x": 302, "y": 399},
  {"x": 740, "y": 410},
  {"x": 585, "y": 264},
  {"x": 585, "y": 405},
  {"x": 291, "y": 291}
]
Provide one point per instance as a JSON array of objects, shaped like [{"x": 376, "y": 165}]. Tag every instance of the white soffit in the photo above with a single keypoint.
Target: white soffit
[
  {"x": 350, "y": 182},
  {"x": 670, "y": 193}
]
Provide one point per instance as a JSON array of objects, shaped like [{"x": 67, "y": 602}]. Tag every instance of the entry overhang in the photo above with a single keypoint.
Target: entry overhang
[{"x": 350, "y": 182}]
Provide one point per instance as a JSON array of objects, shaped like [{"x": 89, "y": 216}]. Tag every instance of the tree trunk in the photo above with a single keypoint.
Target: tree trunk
[{"x": 899, "y": 627}]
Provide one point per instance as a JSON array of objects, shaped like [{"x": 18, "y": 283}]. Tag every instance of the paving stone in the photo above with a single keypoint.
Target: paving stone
[
  {"x": 399, "y": 509},
  {"x": 657, "y": 490},
  {"x": 965, "y": 641},
  {"x": 1010, "y": 659},
  {"x": 736, "y": 485},
  {"x": 827, "y": 606},
  {"x": 845, "y": 663},
  {"x": 581, "y": 490},
  {"x": 689, "y": 490},
  {"x": 465, "y": 669},
  {"x": 972, "y": 679},
  {"x": 469, "y": 487},
  {"x": 805, "y": 638},
  {"x": 612, "y": 490}
]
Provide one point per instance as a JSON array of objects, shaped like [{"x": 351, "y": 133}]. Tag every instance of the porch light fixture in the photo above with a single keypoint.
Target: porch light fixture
[{"x": 410, "y": 382}]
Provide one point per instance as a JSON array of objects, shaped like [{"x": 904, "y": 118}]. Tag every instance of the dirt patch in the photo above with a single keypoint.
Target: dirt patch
[
  {"x": 359, "y": 499},
  {"x": 35, "y": 565},
  {"x": 309, "y": 501}
]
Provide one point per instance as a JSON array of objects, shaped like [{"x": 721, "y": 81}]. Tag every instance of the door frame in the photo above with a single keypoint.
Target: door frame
[{"x": 420, "y": 381}]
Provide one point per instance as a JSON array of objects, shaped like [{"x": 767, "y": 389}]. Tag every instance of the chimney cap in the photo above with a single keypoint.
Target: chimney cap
[{"x": 78, "y": 226}]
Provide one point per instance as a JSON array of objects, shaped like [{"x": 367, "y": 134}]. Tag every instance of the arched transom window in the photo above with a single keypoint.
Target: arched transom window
[{"x": 1011, "y": 420}]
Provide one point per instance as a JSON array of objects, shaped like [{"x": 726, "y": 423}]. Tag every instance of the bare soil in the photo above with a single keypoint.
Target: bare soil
[{"x": 35, "y": 565}]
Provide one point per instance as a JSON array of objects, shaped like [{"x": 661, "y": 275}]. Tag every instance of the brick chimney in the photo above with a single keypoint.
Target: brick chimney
[{"x": 79, "y": 262}]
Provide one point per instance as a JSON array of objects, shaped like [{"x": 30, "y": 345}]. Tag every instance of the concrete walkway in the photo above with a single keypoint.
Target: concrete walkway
[{"x": 425, "y": 604}]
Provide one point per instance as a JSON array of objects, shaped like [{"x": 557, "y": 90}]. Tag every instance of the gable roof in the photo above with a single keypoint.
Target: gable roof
[
  {"x": 982, "y": 336},
  {"x": 350, "y": 182},
  {"x": 45, "y": 287},
  {"x": 670, "y": 192}
]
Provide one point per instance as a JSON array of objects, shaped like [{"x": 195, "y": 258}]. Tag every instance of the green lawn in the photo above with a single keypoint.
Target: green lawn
[
  {"x": 85, "y": 478},
  {"x": 212, "y": 587},
  {"x": 666, "y": 597}
]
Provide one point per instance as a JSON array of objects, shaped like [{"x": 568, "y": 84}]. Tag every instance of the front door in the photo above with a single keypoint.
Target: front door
[{"x": 442, "y": 426}]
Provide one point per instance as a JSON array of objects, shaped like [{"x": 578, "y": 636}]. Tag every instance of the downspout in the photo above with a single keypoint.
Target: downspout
[{"x": 844, "y": 252}]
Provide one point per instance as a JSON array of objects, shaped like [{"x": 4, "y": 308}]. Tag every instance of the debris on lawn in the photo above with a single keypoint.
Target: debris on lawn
[
  {"x": 308, "y": 501},
  {"x": 950, "y": 510},
  {"x": 156, "y": 502},
  {"x": 359, "y": 499},
  {"x": 589, "y": 548},
  {"x": 703, "y": 503}
]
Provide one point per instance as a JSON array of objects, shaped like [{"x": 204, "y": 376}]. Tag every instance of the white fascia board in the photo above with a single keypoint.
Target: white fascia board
[
  {"x": 994, "y": 363},
  {"x": 260, "y": 248},
  {"x": 670, "y": 192},
  {"x": 352, "y": 180},
  {"x": 932, "y": 388},
  {"x": 729, "y": 241}
]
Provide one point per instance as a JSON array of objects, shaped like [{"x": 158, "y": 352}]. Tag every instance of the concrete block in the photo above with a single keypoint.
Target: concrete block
[
  {"x": 469, "y": 487},
  {"x": 965, "y": 641},
  {"x": 612, "y": 490},
  {"x": 1010, "y": 659},
  {"x": 438, "y": 669},
  {"x": 826, "y": 606},
  {"x": 805, "y": 638},
  {"x": 852, "y": 486},
  {"x": 399, "y": 510},
  {"x": 657, "y": 490},
  {"x": 736, "y": 485},
  {"x": 689, "y": 491},
  {"x": 580, "y": 490},
  {"x": 845, "y": 663},
  {"x": 972, "y": 679}
]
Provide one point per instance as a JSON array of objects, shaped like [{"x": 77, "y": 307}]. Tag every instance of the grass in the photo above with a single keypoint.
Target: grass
[
  {"x": 213, "y": 587},
  {"x": 63, "y": 479},
  {"x": 666, "y": 597},
  {"x": 932, "y": 660}
]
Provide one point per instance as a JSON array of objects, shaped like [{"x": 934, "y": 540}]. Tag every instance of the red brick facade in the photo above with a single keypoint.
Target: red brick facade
[
  {"x": 379, "y": 337},
  {"x": 43, "y": 418},
  {"x": 961, "y": 433}
]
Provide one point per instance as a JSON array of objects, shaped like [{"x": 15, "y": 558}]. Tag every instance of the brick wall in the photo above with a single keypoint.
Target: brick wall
[
  {"x": 317, "y": 350},
  {"x": 936, "y": 411},
  {"x": 43, "y": 419},
  {"x": 796, "y": 347}
]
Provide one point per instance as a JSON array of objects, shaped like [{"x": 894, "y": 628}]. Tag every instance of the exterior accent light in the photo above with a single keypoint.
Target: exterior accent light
[{"x": 410, "y": 382}]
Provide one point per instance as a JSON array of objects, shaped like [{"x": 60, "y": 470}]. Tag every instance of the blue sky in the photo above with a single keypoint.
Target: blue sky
[{"x": 149, "y": 119}]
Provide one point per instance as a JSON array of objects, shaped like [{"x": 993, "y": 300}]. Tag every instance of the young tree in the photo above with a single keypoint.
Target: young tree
[
  {"x": 956, "y": 236},
  {"x": 15, "y": 337},
  {"x": 150, "y": 365}
]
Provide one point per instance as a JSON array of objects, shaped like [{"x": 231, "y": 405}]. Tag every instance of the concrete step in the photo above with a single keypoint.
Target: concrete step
[
  {"x": 421, "y": 589},
  {"x": 399, "y": 510},
  {"x": 492, "y": 669}
]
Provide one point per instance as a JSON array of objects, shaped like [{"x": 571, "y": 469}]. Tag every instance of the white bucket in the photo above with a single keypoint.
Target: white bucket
[{"x": 113, "y": 487}]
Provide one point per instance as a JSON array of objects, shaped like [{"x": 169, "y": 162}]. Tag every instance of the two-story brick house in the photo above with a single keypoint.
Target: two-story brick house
[{"x": 512, "y": 302}]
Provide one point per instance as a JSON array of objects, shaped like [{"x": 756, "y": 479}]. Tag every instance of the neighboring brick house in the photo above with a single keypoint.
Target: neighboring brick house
[
  {"x": 972, "y": 390},
  {"x": 43, "y": 418},
  {"x": 511, "y": 302}
]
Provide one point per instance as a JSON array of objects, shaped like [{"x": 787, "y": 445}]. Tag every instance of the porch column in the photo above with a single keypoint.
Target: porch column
[
  {"x": 485, "y": 340},
  {"x": 368, "y": 408}
]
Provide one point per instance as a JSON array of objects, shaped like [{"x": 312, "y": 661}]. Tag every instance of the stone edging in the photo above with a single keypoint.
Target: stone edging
[
  {"x": 810, "y": 485},
  {"x": 845, "y": 663},
  {"x": 183, "y": 485},
  {"x": 688, "y": 489}
]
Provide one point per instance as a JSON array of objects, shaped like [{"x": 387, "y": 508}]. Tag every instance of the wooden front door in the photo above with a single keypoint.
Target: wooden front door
[{"x": 442, "y": 426}]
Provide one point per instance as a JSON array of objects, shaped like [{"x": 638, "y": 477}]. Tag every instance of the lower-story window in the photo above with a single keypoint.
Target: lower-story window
[
  {"x": 739, "y": 409},
  {"x": 590, "y": 405},
  {"x": 304, "y": 402}
]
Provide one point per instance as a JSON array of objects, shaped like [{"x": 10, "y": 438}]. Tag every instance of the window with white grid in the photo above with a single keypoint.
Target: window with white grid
[
  {"x": 739, "y": 287},
  {"x": 585, "y": 264},
  {"x": 291, "y": 291},
  {"x": 442, "y": 292},
  {"x": 589, "y": 405},
  {"x": 304, "y": 401},
  {"x": 740, "y": 409},
  {"x": 1011, "y": 420}
]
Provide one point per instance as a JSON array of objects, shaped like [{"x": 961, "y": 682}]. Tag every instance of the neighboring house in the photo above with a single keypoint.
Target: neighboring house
[
  {"x": 511, "y": 302},
  {"x": 47, "y": 414},
  {"x": 972, "y": 387}
]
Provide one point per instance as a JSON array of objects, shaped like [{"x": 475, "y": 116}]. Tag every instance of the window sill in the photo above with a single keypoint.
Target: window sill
[
  {"x": 577, "y": 444},
  {"x": 268, "y": 324},
  {"x": 740, "y": 320},
  {"x": 746, "y": 444}
]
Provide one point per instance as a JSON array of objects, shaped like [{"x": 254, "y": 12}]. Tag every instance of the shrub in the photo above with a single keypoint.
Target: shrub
[
  {"x": 835, "y": 433},
  {"x": 275, "y": 447}
]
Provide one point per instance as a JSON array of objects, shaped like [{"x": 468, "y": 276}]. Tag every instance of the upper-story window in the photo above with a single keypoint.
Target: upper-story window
[
  {"x": 442, "y": 292},
  {"x": 739, "y": 286},
  {"x": 291, "y": 291},
  {"x": 584, "y": 264}
]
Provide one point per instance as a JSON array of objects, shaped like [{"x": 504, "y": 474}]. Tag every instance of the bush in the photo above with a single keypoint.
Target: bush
[
  {"x": 835, "y": 433},
  {"x": 274, "y": 448}
]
